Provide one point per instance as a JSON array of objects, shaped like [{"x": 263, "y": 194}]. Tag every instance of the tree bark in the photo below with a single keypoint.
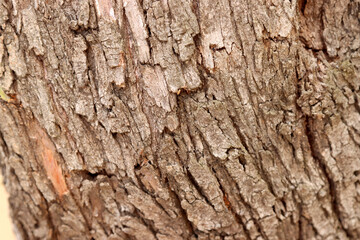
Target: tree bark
[{"x": 203, "y": 119}]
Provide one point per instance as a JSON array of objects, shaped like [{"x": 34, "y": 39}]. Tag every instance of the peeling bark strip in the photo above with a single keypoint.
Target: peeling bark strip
[
  {"x": 49, "y": 157},
  {"x": 137, "y": 23},
  {"x": 105, "y": 8},
  {"x": 166, "y": 119}
]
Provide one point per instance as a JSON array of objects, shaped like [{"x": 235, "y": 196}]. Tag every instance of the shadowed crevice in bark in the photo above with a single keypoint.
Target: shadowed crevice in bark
[
  {"x": 189, "y": 225},
  {"x": 226, "y": 180},
  {"x": 229, "y": 204},
  {"x": 314, "y": 13},
  {"x": 310, "y": 133}
]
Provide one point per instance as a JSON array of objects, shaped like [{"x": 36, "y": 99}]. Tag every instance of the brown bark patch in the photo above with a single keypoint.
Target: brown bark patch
[{"x": 311, "y": 25}]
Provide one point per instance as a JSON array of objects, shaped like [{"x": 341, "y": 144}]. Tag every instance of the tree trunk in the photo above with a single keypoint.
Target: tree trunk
[{"x": 204, "y": 119}]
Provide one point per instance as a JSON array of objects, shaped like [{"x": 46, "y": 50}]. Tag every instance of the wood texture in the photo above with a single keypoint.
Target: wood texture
[{"x": 204, "y": 119}]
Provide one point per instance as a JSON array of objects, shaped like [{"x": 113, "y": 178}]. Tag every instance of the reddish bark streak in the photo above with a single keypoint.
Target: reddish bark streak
[
  {"x": 53, "y": 171},
  {"x": 49, "y": 157}
]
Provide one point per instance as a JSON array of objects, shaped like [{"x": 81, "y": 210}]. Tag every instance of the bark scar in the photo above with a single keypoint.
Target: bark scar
[
  {"x": 105, "y": 9},
  {"x": 46, "y": 150}
]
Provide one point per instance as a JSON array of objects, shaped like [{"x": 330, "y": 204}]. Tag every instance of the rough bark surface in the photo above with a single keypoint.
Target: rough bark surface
[{"x": 202, "y": 119}]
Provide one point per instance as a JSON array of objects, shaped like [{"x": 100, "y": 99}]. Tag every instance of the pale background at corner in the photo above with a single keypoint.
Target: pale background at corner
[{"x": 6, "y": 228}]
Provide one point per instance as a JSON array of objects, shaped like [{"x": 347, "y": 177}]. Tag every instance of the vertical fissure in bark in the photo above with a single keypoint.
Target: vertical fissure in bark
[
  {"x": 146, "y": 222},
  {"x": 300, "y": 224},
  {"x": 229, "y": 206},
  {"x": 149, "y": 224},
  {"x": 309, "y": 131},
  {"x": 243, "y": 202},
  {"x": 247, "y": 205},
  {"x": 198, "y": 188},
  {"x": 236, "y": 126},
  {"x": 255, "y": 220},
  {"x": 5, "y": 148},
  {"x": 324, "y": 50},
  {"x": 177, "y": 199},
  {"x": 302, "y": 5}
]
